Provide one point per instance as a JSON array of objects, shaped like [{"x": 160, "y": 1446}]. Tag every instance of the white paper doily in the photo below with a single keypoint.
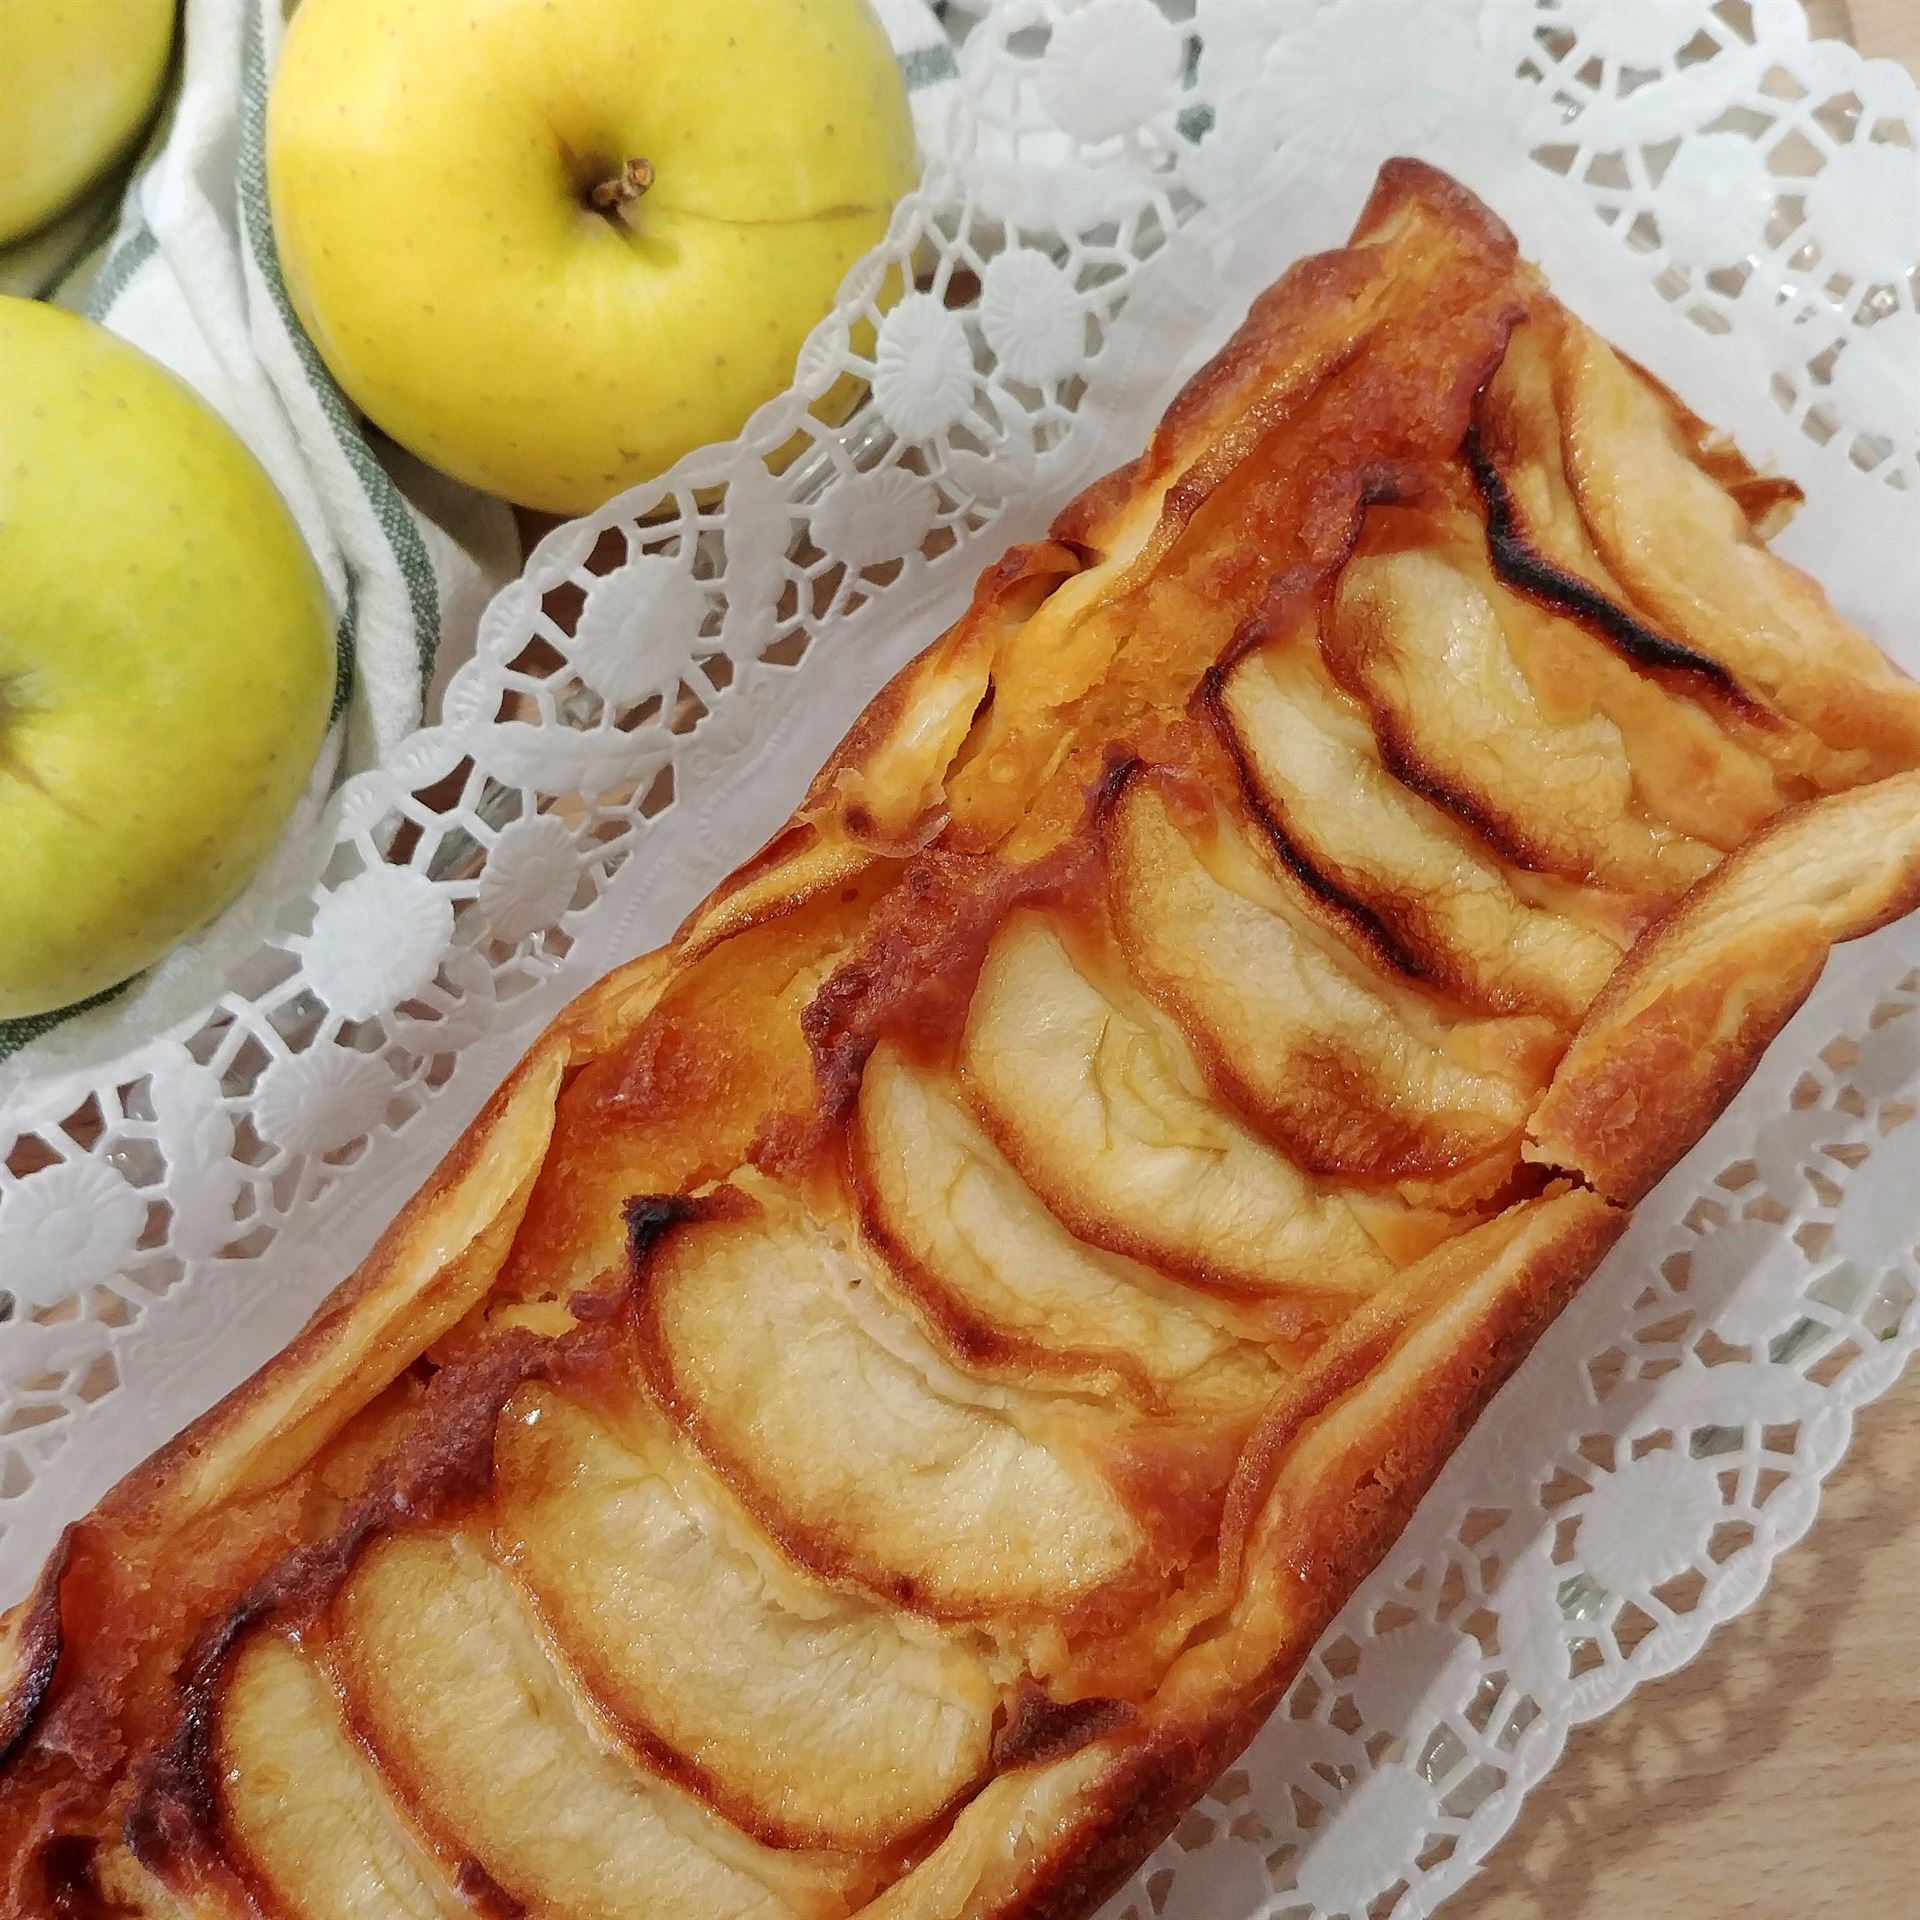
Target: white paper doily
[{"x": 1738, "y": 207}]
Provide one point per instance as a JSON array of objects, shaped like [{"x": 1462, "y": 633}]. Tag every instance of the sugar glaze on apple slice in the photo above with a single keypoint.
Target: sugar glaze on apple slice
[{"x": 809, "y": 1716}]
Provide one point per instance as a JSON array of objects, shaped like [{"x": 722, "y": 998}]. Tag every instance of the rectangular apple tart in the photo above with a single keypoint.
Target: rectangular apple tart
[{"x": 880, "y": 1403}]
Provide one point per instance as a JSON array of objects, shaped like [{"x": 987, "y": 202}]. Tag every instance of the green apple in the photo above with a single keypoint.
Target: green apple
[
  {"x": 550, "y": 245},
  {"x": 81, "y": 79},
  {"x": 166, "y": 660}
]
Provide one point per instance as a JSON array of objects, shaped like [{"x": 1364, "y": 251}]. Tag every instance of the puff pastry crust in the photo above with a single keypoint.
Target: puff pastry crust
[{"x": 875, "y": 1410}]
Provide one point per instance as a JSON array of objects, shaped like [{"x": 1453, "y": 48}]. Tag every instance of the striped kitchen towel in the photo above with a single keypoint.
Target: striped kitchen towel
[{"x": 191, "y": 274}]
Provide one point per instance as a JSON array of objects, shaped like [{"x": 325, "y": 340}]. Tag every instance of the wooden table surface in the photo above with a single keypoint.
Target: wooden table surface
[{"x": 1776, "y": 1777}]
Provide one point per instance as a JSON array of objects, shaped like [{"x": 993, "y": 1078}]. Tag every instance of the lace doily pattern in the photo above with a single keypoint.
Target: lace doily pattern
[
  {"x": 1768, "y": 184},
  {"x": 1737, "y": 204}
]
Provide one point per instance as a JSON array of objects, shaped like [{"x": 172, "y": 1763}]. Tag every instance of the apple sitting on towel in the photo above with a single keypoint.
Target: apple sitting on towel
[
  {"x": 166, "y": 660},
  {"x": 551, "y": 245}
]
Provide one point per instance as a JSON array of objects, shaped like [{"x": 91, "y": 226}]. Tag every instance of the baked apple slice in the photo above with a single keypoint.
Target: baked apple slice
[
  {"x": 1683, "y": 549},
  {"x": 302, "y": 1810},
  {"x": 1415, "y": 635},
  {"x": 1438, "y": 893},
  {"x": 1355, "y": 1077},
  {"x": 1003, "y": 1286},
  {"x": 1095, "y": 1098},
  {"x": 448, "y": 1681},
  {"x": 937, "y": 1491},
  {"x": 734, "y": 1669}
]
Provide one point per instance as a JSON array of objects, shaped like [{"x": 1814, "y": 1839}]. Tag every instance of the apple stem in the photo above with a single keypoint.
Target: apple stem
[{"x": 612, "y": 197}]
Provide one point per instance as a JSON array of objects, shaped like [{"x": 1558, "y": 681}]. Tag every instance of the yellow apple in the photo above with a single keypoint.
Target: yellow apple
[
  {"x": 550, "y": 245},
  {"x": 81, "y": 78},
  {"x": 166, "y": 660}
]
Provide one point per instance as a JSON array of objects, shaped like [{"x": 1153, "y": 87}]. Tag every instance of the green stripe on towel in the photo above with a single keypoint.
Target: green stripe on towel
[{"x": 409, "y": 550}]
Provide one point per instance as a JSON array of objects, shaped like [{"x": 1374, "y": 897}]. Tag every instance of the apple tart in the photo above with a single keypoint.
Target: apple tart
[{"x": 874, "y": 1412}]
